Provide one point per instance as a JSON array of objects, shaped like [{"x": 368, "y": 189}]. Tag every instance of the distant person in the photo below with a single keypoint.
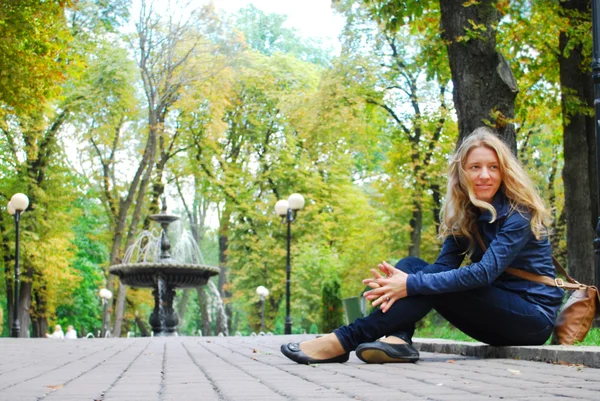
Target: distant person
[
  {"x": 58, "y": 333},
  {"x": 493, "y": 215},
  {"x": 71, "y": 333}
]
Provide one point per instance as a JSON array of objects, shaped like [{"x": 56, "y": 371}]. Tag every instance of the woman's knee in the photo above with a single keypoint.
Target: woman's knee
[{"x": 411, "y": 264}]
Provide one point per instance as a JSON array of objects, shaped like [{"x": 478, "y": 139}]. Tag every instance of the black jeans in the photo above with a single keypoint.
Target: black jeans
[{"x": 489, "y": 314}]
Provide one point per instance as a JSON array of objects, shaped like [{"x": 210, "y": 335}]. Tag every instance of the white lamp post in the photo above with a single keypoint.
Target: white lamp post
[
  {"x": 262, "y": 292},
  {"x": 17, "y": 205},
  {"x": 105, "y": 295},
  {"x": 287, "y": 210}
]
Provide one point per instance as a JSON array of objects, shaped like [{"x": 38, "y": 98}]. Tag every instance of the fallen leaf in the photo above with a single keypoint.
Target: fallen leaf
[
  {"x": 450, "y": 361},
  {"x": 255, "y": 351},
  {"x": 57, "y": 387}
]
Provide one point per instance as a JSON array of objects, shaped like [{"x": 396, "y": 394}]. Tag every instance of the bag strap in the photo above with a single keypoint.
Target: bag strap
[{"x": 572, "y": 284}]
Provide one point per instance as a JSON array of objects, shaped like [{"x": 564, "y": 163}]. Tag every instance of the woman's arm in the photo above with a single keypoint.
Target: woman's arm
[
  {"x": 393, "y": 285},
  {"x": 514, "y": 234},
  {"x": 451, "y": 256}
]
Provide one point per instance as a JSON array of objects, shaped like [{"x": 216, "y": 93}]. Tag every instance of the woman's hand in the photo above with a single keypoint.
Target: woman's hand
[{"x": 386, "y": 289}]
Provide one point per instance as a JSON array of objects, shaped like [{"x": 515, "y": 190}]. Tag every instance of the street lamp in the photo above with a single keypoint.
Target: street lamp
[
  {"x": 105, "y": 295},
  {"x": 287, "y": 210},
  {"x": 263, "y": 292},
  {"x": 17, "y": 205}
]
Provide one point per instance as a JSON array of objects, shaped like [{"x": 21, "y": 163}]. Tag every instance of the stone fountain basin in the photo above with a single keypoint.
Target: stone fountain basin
[{"x": 179, "y": 275}]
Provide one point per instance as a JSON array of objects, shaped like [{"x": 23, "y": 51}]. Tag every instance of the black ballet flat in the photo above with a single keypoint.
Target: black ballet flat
[
  {"x": 292, "y": 351},
  {"x": 380, "y": 352}
]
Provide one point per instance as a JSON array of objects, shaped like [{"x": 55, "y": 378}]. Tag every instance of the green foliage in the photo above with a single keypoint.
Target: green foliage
[
  {"x": 332, "y": 310},
  {"x": 592, "y": 338},
  {"x": 393, "y": 14},
  {"x": 192, "y": 318},
  {"x": 266, "y": 34},
  {"x": 82, "y": 308},
  {"x": 448, "y": 332},
  {"x": 34, "y": 53},
  {"x": 364, "y": 137},
  {"x": 443, "y": 330}
]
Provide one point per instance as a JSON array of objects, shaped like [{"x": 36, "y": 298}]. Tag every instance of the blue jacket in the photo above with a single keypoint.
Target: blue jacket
[{"x": 510, "y": 242}]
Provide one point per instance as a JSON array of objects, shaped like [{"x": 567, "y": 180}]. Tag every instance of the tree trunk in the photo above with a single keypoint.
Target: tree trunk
[
  {"x": 416, "y": 225},
  {"x": 181, "y": 308},
  {"x": 39, "y": 320},
  {"x": 558, "y": 223},
  {"x": 437, "y": 205},
  {"x": 119, "y": 310},
  {"x": 10, "y": 295},
  {"x": 24, "y": 305},
  {"x": 206, "y": 319},
  {"x": 579, "y": 151},
  {"x": 484, "y": 86},
  {"x": 144, "y": 332},
  {"x": 223, "y": 244},
  {"x": 147, "y": 164}
]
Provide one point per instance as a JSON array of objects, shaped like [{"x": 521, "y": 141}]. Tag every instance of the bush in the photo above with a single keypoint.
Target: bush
[{"x": 332, "y": 310}]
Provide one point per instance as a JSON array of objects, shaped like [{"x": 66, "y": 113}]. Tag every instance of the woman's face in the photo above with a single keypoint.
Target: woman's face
[{"x": 483, "y": 171}]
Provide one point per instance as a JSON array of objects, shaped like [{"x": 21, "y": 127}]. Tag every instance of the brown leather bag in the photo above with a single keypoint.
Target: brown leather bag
[{"x": 576, "y": 316}]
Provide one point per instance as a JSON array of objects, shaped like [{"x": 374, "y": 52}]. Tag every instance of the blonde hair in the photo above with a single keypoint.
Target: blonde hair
[{"x": 459, "y": 214}]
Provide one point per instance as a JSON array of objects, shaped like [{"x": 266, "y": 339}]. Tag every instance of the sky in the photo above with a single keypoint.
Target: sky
[{"x": 312, "y": 18}]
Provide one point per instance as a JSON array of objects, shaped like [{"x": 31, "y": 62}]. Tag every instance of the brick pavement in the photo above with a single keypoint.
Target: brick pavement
[{"x": 252, "y": 368}]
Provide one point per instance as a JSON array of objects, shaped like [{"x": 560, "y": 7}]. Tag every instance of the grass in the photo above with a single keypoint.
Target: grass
[
  {"x": 593, "y": 337},
  {"x": 445, "y": 331},
  {"x": 448, "y": 332}
]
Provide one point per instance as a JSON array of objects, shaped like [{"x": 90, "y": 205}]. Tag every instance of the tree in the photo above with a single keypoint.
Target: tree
[
  {"x": 171, "y": 53},
  {"x": 266, "y": 34},
  {"x": 554, "y": 64},
  {"x": 45, "y": 38},
  {"x": 398, "y": 75},
  {"x": 580, "y": 169},
  {"x": 33, "y": 54},
  {"x": 332, "y": 310},
  {"x": 81, "y": 309},
  {"x": 484, "y": 85}
]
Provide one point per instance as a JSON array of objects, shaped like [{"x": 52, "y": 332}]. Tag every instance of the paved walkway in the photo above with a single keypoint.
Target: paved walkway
[{"x": 252, "y": 368}]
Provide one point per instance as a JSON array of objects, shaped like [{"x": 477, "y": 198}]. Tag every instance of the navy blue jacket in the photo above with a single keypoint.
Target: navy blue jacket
[{"x": 510, "y": 243}]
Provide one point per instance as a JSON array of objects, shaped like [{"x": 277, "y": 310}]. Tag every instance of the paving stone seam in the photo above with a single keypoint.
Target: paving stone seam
[
  {"x": 50, "y": 370},
  {"x": 35, "y": 363},
  {"x": 44, "y": 362},
  {"x": 303, "y": 378},
  {"x": 354, "y": 377},
  {"x": 210, "y": 379},
  {"x": 161, "y": 387},
  {"x": 447, "y": 380},
  {"x": 523, "y": 381},
  {"x": 93, "y": 367},
  {"x": 114, "y": 383},
  {"x": 274, "y": 389}
]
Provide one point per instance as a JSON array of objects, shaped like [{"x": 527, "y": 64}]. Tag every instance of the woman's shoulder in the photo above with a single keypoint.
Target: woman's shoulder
[
  {"x": 519, "y": 212},
  {"x": 516, "y": 219}
]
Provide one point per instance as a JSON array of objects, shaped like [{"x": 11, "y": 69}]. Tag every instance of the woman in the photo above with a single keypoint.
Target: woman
[
  {"x": 58, "y": 333},
  {"x": 489, "y": 195}
]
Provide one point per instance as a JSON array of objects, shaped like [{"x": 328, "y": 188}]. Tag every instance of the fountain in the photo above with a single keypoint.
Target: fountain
[{"x": 148, "y": 264}]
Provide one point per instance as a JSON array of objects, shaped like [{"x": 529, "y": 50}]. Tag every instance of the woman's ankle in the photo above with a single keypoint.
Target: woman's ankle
[
  {"x": 324, "y": 347},
  {"x": 393, "y": 340}
]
